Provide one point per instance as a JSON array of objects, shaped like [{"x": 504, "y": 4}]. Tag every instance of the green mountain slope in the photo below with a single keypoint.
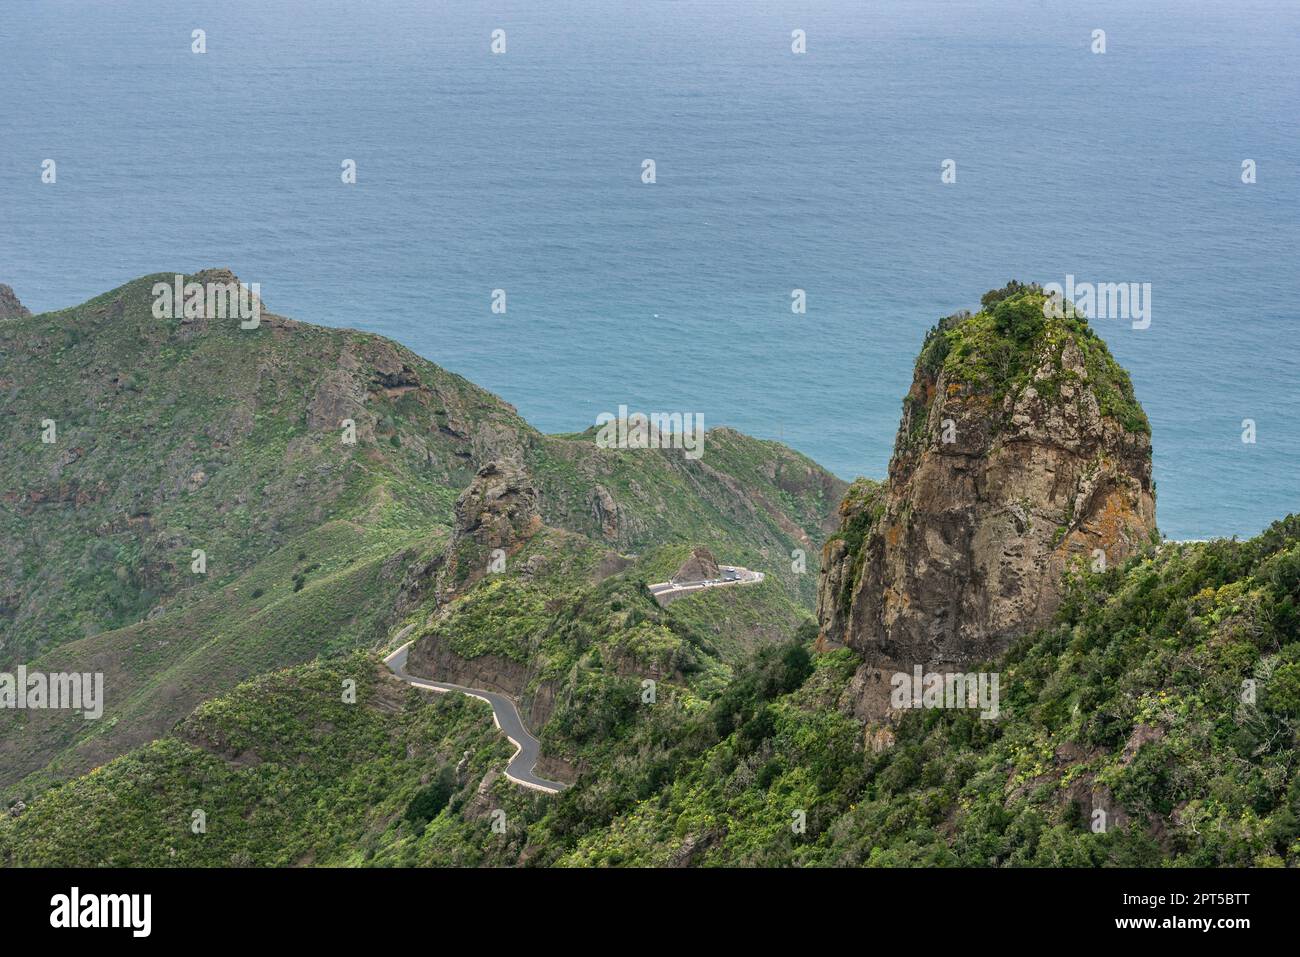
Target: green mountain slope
[
  {"x": 284, "y": 772},
  {"x": 176, "y": 435},
  {"x": 1132, "y": 702},
  {"x": 156, "y": 670}
]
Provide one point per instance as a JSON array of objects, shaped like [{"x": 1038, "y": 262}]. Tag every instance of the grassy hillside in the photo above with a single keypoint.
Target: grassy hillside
[
  {"x": 172, "y": 435},
  {"x": 285, "y": 772},
  {"x": 575, "y": 636},
  {"x": 288, "y": 608},
  {"x": 175, "y": 435},
  {"x": 743, "y": 492}
]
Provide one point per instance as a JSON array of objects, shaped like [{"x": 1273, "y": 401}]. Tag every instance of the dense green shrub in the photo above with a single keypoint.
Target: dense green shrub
[{"x": 429, "y": 801}]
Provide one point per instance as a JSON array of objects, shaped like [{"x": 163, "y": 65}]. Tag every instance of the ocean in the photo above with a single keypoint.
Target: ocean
[{"x": 774, "y": 171}]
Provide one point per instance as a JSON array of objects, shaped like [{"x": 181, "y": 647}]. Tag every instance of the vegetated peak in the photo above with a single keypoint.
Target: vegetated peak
[{"x": 1017, "y": 340}]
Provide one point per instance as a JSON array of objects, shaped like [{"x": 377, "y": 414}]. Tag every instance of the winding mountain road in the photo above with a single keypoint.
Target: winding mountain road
[
  {"x": 743, "y": 577},
  {"x": 505, "y": 713}
]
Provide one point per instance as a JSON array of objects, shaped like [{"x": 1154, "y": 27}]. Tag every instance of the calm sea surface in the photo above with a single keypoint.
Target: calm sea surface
[{"x": 821, "y": 172}]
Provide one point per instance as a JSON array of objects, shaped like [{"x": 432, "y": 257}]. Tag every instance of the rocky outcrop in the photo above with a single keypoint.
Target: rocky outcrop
[
  {"x": 701, "y": 566},
  {"x": 1021, "y": 451},
  {"x": 340, "y": 395},
  {"x": 10, "y": 307},
  {"x": 695, "y": 845},
  {"x": 605, "y": 512},
  {"x": 499, "y": 510},
  {"x": 480, "y": 803}
]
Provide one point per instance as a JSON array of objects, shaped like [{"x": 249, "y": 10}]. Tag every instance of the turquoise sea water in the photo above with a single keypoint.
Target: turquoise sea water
[{"x": 774, "y": 172}]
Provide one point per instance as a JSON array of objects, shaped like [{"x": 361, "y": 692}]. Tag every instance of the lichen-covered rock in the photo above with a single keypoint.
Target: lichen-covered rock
[{"x": 1021, "y": 450}]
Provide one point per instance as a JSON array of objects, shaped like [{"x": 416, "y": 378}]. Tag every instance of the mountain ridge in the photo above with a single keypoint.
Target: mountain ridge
[{"x": 193, "y": 433}]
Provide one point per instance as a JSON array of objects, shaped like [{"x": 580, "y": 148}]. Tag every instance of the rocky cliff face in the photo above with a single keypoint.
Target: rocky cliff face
[
  {"x": 10, "y": 307},
  {"x": 1021, "y": 450}
]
